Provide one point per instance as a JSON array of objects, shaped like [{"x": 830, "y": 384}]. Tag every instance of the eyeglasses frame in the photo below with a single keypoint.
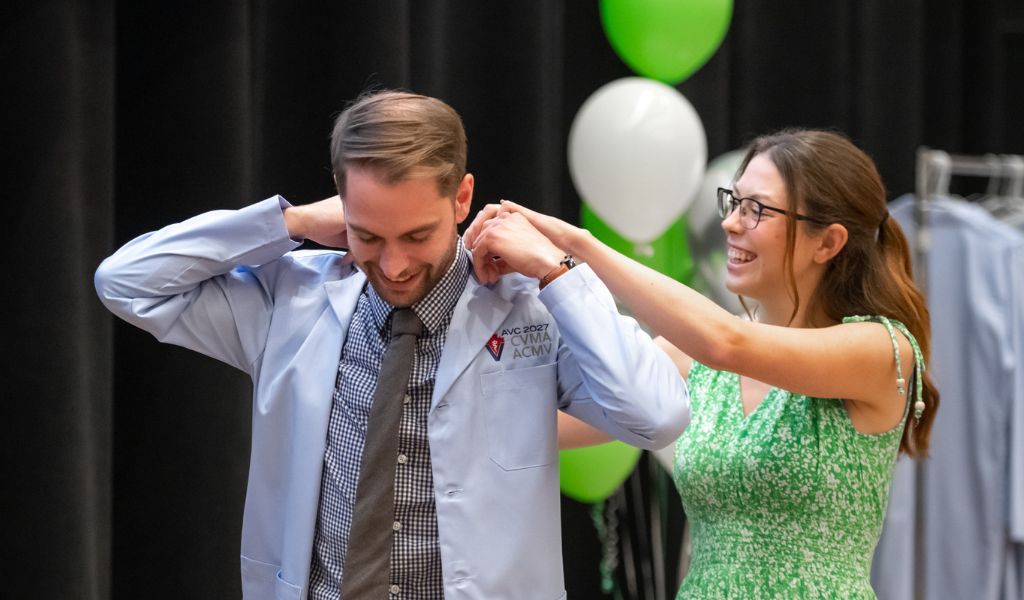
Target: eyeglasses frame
[{"x": 763, "y": 206}]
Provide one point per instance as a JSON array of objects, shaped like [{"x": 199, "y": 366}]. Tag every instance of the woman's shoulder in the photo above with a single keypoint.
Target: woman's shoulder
[{"x": 891, "y": 325}]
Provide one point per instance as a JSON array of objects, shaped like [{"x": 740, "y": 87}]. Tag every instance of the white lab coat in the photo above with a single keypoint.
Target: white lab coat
[{"x": 226, "y": 284}]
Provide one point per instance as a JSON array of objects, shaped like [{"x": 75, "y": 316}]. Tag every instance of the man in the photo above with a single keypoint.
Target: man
[{"x": 404, "y": 435}]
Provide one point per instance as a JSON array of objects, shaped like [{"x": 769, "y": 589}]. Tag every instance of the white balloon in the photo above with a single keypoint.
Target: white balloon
[{"x": 637, "y": 152}]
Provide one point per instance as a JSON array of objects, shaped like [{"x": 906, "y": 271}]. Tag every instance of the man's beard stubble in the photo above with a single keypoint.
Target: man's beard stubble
[{"x": 433, "y": 274}]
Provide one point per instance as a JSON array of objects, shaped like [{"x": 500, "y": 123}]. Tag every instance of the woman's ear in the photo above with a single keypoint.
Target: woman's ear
[{"x": 830, "y": 241}]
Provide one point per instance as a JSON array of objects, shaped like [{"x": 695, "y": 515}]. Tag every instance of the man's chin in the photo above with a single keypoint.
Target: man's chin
[
  {"x": 399, "y": 300},
  {"x": 399, "y": 297}
]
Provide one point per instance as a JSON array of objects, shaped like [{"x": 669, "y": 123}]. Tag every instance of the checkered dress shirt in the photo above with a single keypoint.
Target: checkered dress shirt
[{"x": 415, "y": 550}]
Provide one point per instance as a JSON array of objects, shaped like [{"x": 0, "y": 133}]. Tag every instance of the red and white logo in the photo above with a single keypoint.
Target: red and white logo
[{"x": 495, "y": 345}]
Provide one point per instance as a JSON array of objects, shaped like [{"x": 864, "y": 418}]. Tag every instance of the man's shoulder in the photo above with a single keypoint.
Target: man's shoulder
[
  {"x": 319, "y": 265},
  {"x": 315, "y": 258}
]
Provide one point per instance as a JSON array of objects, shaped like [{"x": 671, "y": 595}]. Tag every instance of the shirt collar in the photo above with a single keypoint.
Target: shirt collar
[{"x": 437, "y": 304}]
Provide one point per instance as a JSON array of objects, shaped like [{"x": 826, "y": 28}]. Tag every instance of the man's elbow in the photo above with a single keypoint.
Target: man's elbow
[
  {"x": 103, "y": 281},
  {"x": 109, "y": 288},
  {"x": 677, "y": 419},
  {"x": 666, "y": 422}
]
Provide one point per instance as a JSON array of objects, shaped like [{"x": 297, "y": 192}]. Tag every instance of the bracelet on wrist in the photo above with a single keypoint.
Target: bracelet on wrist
[{"x": 563, "y": 267}]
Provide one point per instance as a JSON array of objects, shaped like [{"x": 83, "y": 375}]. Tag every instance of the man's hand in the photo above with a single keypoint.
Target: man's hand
[
  {"x": 521, "y": 247},
  {"x": 323, "y": 222}
]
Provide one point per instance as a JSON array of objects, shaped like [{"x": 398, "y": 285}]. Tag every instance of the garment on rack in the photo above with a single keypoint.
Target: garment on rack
[
  {"x": 1008, "y": 209},
  {"x": 975, "y": 477}
]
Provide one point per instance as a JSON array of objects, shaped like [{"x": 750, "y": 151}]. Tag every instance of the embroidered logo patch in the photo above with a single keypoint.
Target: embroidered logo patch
[
  {"x": 529, "y": 341},
  {"x": 495, "y": 345}
]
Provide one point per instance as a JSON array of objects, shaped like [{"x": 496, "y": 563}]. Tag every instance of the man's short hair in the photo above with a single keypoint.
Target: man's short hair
[{"x": 392, "y": 133}]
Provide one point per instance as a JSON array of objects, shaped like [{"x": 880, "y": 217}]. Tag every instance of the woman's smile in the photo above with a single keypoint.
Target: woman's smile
[{"x": 739, "y": 256}]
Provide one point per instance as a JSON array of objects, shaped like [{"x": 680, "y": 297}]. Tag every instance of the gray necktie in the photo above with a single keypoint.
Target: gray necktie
[{"x": 368, "y": 561}]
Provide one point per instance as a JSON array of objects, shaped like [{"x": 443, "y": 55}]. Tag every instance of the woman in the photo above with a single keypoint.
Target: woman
[{"x": 798, "y": 414}]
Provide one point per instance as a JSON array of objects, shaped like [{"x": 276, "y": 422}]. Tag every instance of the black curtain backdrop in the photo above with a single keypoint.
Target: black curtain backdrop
[{"x": 125, "y": 461}]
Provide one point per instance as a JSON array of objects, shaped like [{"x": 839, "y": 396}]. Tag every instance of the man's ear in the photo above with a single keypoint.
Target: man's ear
[
  {"x": 338, "y": 187},
  {"x": 464, "y": 198},
  {"x": 831, "y": 241}
]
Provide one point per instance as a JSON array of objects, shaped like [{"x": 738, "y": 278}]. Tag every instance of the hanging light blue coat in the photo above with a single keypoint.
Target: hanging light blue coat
[{"x": 227, "y": 284}]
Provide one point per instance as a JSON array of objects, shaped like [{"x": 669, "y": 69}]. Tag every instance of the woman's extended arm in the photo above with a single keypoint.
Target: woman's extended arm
[{"x": 852, "y": 361}]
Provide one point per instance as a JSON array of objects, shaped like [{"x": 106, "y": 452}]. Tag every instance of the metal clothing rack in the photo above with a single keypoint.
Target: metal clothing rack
[{"x": 935, "y": 168}]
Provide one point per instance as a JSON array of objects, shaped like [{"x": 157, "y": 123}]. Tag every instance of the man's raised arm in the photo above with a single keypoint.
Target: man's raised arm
[{"x": 199, "y": 283}]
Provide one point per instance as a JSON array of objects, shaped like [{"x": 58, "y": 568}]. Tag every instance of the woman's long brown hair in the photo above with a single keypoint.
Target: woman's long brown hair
[{"x": 832, "y": 181}]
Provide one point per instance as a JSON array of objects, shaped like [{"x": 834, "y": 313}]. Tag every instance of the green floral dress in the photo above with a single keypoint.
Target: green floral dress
[{"x": 786, "y": 503}]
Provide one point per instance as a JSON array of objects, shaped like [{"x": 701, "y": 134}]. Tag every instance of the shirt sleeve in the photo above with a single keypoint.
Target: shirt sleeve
[
  {"x": 611, "y": 375},
  {"x": 196, "y": 283}
]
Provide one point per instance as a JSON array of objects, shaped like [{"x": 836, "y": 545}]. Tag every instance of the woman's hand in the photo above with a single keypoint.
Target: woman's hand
[
  {"x": 558, "y": 232},
  {"x": 518, "y": 244}
]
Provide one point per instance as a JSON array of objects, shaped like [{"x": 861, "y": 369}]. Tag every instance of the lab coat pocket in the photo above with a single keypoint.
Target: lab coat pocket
[
  {"x": 287, "y": 591},
  {"x": 262, "y": 580},
  {"x": 520, "y": 407}
]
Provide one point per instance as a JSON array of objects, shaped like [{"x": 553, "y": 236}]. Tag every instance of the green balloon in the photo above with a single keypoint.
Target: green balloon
[
  {"x": 592, "y": 474},
  {"x": 667, "y": 40},
  {"x": 669, "y": 254}
]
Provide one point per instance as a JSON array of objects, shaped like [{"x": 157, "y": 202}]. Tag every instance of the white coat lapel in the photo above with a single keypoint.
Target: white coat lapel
[
  {"x": 318, "y": 359},
  {"x": 344, "y": 295},
  {"x": 478, "y": 314}
]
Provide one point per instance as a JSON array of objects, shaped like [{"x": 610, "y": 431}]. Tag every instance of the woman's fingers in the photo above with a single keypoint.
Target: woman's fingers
[
  {"x": 510, "y": 206},
  {"x": 486, "y": 214},
  {"x": 473, "y": 231},
  {"x": 556, "y": 231}
]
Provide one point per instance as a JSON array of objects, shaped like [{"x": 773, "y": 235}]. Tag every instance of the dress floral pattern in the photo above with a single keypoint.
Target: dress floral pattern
[{"x": 786, "y": 503}]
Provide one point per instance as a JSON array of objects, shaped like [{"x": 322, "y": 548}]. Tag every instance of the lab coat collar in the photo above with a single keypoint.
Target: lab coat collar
[{"x": 344, "y": 294}]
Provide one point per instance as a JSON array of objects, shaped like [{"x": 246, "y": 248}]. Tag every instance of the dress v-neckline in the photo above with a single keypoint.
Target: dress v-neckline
[{"x": 739, "y": 399}]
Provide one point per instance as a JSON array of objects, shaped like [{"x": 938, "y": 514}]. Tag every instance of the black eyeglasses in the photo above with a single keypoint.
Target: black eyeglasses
[{"x": 750, "y": 209}]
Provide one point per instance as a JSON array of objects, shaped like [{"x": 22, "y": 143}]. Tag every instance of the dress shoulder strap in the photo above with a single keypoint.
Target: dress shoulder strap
[{"x": 892, "y": 325}]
